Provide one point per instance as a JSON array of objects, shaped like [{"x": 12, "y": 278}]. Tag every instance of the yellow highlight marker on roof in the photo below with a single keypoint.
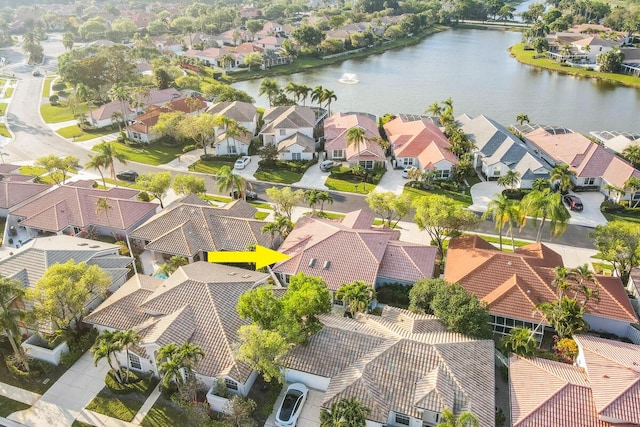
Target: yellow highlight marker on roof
[{"x": 261, "y": 257}]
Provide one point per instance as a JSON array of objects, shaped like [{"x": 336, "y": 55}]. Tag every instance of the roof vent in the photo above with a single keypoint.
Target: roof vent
[
  {"x": 312, "y": 262},
  {"x": 232, "y": 273},
  {"x": 246, "y": 276},
  {"x": 94, "y": 246},
  {"x": 509, "y": 263},
  {"x": 605, "y": 376},
  {"x": 326, "y": 265},
  {"x": 82, "y": 244}
]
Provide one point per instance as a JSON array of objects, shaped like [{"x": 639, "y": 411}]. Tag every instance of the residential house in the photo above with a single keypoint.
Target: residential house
[
  {"x": 631, "y": 62},
  {"x": 633, "y": 289},
  {"x": 196, "y": 304},
  {"x": 421, "y": 144},
  {"x": 14, "y": 192},
  {"x": 282, "y": 122},
  {"x": 594, "y": 165},
  {"x": 232, "y": 37},
  {"x": 407, "y": 368},
  {"x": 269, "y": 29},
  {"x": 250, "y": 12},
  {"x": 71, "y": 209},
  {"x": 271, "y": 43},
  {"x": 227, "y": 143},
  {"x": 297, "y": 147},
  {"x": 602, "y": 389},
  {"x": 190, "y": 227},
  {"x": 341, "y": 252},
  {"x": 616, "y": 141},
  {"x": 514, "y": 284},
  {"x": 498, "y": 151},
  {"x": 29, "y": 262},
  {"x": 368, "y": 154},
  {"x": 140, "y": 129},
  {"x": 244, "y": 113}
]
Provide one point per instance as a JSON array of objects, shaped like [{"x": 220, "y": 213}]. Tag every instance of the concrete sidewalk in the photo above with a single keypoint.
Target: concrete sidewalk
[{"x": 19, "y": 394}]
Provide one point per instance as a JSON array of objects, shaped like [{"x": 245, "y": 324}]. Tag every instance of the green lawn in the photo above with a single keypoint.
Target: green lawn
[
  {"x": 9, "y": 406},
  {"x": 461, "y": 198},
  {"x": 8, "y": 92},
  {"x": 4, "y": 131},
  {"x": 154, "y": 154},
  {"x": 46, "y": 89},
  {"x": 55, "y": 113},
  {"x": 209, "y": 166},
  {"x": 526, "y": 57},
  {"x": 506, "y": 240},
  {"x": 122, "y": 406},
  {"x": 261, "y": 215},
  {"x": 164, "y": 413},
  {"x": 348, "y": 185},
  {"x": 78, "y": 135},
  {"x": 278, "y": 176},
  {"x": 3, "y": 108},
  {"x": 629, "y": 216},
  {"x": 32, "y": 170},
  {"x": 77, "y": 423},
  {"x": 327, "y": 215}
]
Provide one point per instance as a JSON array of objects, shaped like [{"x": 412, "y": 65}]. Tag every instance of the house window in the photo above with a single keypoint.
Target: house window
[
  {"x": 407, "y": 161},
  {"x": 402, "y": 419},
  {"x": 136, "y": 135},
  {"x": 296, "y": 156},
  {"x": 283, "y": 132},
  {"x": 496, "y": 171},
  {"x": 367, "y": 164},
  {"x": 232, "y": 149},
  {"x": 589, "y": 181},
  {"x": 443, "y": 173},
  {"x": 338, "y": 154},
  {"x": 231, "y": 384},
  {"x": 134, "y": 361}
]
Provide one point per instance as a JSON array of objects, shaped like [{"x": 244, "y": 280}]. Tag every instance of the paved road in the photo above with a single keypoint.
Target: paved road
[{"x": 34, "y": 139}]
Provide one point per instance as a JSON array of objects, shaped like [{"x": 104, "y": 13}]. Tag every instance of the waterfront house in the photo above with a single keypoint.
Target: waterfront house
[
  {"x": 368, "y": 154},
  {"x": 297, "y": 147},
  {"x": 244, "y": 113},
  {"x": 283, "y": 122}
]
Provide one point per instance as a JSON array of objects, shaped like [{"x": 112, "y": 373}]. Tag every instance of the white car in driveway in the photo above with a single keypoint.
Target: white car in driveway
[
  {"x": 291, "y": 407},
  {"x": 242, "y": 162},
  {"x": 407, "y": 170}
]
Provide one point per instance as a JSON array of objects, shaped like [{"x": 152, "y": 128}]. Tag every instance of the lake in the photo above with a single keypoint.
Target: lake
[{"x": 474, "y": 68}]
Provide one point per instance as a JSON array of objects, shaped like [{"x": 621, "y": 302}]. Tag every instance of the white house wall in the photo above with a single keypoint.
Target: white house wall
[
  {"x": 310, "y": 380},
  {"x": 611, "y": 326},
  {"x": 222, "y": 147}
]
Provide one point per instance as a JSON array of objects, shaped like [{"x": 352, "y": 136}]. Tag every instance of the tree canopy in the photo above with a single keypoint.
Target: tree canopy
[{"x": 619, "y": 243}]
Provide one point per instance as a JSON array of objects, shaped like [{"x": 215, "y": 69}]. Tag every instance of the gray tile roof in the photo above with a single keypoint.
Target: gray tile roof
[
  {"x": 308, "y": 144},
  {"x": 236, "y": 110},
  {"x": 390, "y": 364},
  {"x": 196, "y": 304}
]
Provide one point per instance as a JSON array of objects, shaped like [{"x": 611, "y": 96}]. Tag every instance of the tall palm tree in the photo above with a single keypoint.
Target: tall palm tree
[
  {"x": 564, "y": 176},
  {"x": 632, "y": 153},
  {"x": 465, "y": 419},
  {"x": 227, "y": 181},
  {"x": 562, "y": 280},
  {"x": 311, "y": 196},
  {"x": 328, "y": 97},
  {"x": 434, "y": 109},
  {"x": 100, "y": 163},
  {"x": 520, "y": 341},
  {"x": 545, "y": 205},
  {"x": 304, "y": 92},
  {"x": 82, "y": 93},
  {"x": 128, "y": 339},
  {"x": 345, "y": 413},
  {"x": 292, "y": 88},
  {"x": 281, "y": 226},
  {"x": 107, "y": 345},
  {"x": 11, "y": 316},
  {"x": 324, "y": 197},
  {"x": 633, "y": 185},
  {"x": 357, "y": 294},
  {"x": 503, "y": 212},
  {"x": 587, "y": 284},
  {"x": 356, "y": 136},
  {"x": 317, "y": 94},
  {"x": 509, "y": 179},
  {"x": 177, "y": 363},
  {"x": 270, "y": 88},
  {"x": 118, "y": 118},
  {"x": 111, "y": 154},
  {"x": 521, "y": 118},
  {"x": 103, "y": 206},
  {"x": 122, "y": 94},
  {"x": 565, "y": 315}
]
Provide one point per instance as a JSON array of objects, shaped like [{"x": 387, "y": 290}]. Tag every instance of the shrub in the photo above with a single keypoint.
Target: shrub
[
  {"x": 54, "y": 99},
  {"x": 15, "y": 370},
  {"x": 220, "y": 388},
  {"x": 58, "y": 86},
  {"x": 565, "y": 349},
  {"x": 143, "y": 196},
  {"x": 62, "y": 93},
  {"x": 394, "y": 294},
  {"x": 116, "y": 388},
  {"x": 513, "y": 193},
  {"x": 609, "y": 206},
  {"x": 188, "y": 148}
]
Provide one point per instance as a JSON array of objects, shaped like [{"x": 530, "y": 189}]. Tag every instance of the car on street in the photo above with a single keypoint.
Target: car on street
[
  {"x": 326, "y": 165},
  {"x": 127, "y": 175},
  {"x": 36, "y": 73},
  {"x": 251, "y": 195},
  {"x": 242, "y": 162},
  {"x": 291, "y": 407},
  {"x": 574, "y": 202},
  {"x": 406, "y": 171}
]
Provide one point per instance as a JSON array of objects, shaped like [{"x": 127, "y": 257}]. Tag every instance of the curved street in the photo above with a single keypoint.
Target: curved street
[{"x": 33, "y": 138}]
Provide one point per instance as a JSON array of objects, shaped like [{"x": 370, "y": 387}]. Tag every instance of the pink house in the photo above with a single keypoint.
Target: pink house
[{"x": 367, "y": 154}]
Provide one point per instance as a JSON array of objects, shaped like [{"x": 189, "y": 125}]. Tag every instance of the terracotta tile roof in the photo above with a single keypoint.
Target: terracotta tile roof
[
  {"x": 76, "y": 206},
  {"x": 340, "y": 253},
  {"x": 8, "y": 168},
  {"x": 419, "y": 139},
  {"x": 605, "y": 386},
  {"x": 185, "y": 228},
  {"x": 358, "y": 219},
  {"x": 196, "y": 303},
  {"x": 13, "y": 193},
  {"x": 236, "y": 110},
  {"x": 380, "y": 361},
  {"x": 513, "y": 284},
  {"x": 335, "y": 132}
]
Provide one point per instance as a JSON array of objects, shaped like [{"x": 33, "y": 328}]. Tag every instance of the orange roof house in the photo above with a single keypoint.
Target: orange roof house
[
  {"x": 336, "y": 128},
  {"x": 513, "y": 284},
  {"x": 602, "y": 390}
]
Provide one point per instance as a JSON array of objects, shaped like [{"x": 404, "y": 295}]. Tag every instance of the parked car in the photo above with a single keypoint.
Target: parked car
[
  {"x": 251, "y": 195},
  {"x": 289, "y": 411},
  {"x": 36, "y": 73},
  {"x": 127, "y": 175},
  {"x": 242, "y": 162},
  {"x": 574, "y": 202},
  {"x": 327, "y": 165},
  {"x": 407, "y": 171}
]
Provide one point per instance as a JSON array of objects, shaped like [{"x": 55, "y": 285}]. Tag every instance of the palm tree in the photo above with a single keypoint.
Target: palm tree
[
  {"x": 118, "y": 118},
  {"x": 288, "y": 50},
  {"x": 357, "y": 294},
  {"x": 120, "y": 93},
  {"x": 562, "y": 280},
  {"x": 67, "y": 40},
  {"x": 546, "y": 205},
  {"x": 11, "y": 316},
  {"x": 107, "y": 345},
  {"x": 584, "y": 278},
  {"x": 177, "y": 363},
  {"x": 324, "y": 197},
  {"x": 503, "y": 211},
  {"x": 520, "y": 341},
  {"x": 227, "y": 181},
  {"x": 98, "y": 162},
  {"x": 509, "y": 179},
  {"x": 82, "y": 94},
  {"x": 633, "y": 185},
  {"x": 281, "y": 226},
  {"x": 465, "y": 419},
  {"x": 317, "y": 94},
  {"x": 270, "y": 88},
  {"x": 564, "y": 176},
  {"x": 356, "y": 136},
  {"x": 632, "y": 153},
  {"x": 110, "y": 153},
  {"x": 565, "y": 315},
  {"x": 434, "y": 109},
  {"x": 292, "y": 88},
  {"x": 127, "y": 339},
  {"x": 345, "y": 413},
  {"x": 329, "y": 96},
  {"x": 226, "y": 60},
  {"x": 521, "y": 118},
  {"x": 304, "y": 91},
  {"x": 103, "y": 206},
  {"x": 540, "y": 184}
]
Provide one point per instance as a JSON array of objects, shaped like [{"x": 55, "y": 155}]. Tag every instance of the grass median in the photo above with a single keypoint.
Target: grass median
[{"x": 78, "y": 135}]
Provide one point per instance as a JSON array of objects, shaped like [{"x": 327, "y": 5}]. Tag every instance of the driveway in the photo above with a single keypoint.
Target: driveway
[
  {"x": 313, "y": 178},
  {"x": 391, "y": 181},
  {"x": 310, "y": 415},
  {"x": 483, "y": 192},
  {"x": 249, "y": 170}
]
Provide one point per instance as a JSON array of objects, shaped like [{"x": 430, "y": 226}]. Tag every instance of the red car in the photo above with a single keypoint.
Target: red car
[{"x": 574, "y": 202}]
